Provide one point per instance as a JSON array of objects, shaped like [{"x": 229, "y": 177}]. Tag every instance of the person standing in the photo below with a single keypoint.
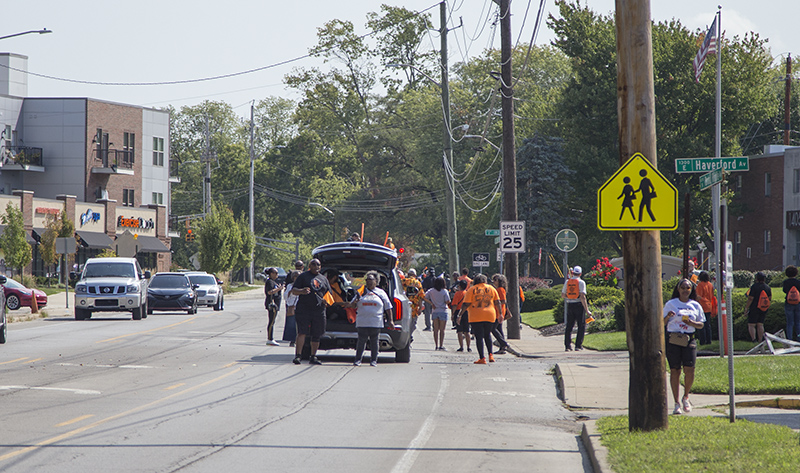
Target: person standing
[
  {"x": 683, "y": 315},
  {"x": 413, "y": 289},
  {"x": 500, "y": 283},
  {"x": 373, "y": 312},
  {"x": 756, "y": 308},
  {"x": 299, "y": 265},
  {"x": 313, "y": 296},
  {"x": 574, "y": 295},
  {"x": 272, "y": 301},
  {"x": 427, "y": 284},
  {"x": 465, "y": 276},
  {"x": 462, "y": 319},
  {"x": 438, "y": 298},
  {"x": 705, "y": 296},
  {"x": 792, "y": 305},
  {"x": 482, "y": 304},
  {"x": 289, "y": 326}
]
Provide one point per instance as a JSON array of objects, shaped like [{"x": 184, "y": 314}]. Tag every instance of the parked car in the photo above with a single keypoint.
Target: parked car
[
  {"x": 172, "y": 291},
  {"x": 353, "y": 260},
  {"x": 18, "y": 295},
  {"x": 281, "y": 279},
  {"x": 111, "y": 285},
  {"x": 209, "y": 289},
  {"x": 3, "y": 321}
]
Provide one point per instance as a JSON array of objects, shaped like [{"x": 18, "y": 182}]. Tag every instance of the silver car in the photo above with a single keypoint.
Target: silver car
[{"x": 209, "y": 289}]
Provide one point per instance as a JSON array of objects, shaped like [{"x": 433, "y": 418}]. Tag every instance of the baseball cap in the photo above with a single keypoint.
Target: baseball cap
[{"x": 577, "y": 270}]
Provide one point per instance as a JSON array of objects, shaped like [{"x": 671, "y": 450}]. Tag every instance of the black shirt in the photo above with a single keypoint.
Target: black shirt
[
  {"x": 755, "y": 293},
  {"x": 789, "y": 283},
  {"x": 270, "y": 285},
  {"x": 312, "y": 303}
]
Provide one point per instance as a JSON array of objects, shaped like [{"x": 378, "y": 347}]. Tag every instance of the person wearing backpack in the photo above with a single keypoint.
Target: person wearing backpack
[
  {"x": 574, "y": 295},
  {"x": 791, "y": 287},
  {"x": 759, "y": 297}
]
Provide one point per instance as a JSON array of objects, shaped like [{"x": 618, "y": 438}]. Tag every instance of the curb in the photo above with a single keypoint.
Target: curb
[
  {"x": 598, "y": 454},
  {"x": 559, "y": 379}
]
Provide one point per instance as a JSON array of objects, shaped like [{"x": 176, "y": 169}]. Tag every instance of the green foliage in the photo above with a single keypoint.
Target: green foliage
[
  {"x": 541, "y": 299},
  {"x": 742, "y": 278},
  {"x": 603, "y": 273},
  {"x": 774, "y": 278},
  {"x": 754, "y": 375},
  {"x": 667, "y": 286},
  {"x": 15, "y": 247},
  {"x": 219, "y": 238},
  {"x": 601, "y": 299}
]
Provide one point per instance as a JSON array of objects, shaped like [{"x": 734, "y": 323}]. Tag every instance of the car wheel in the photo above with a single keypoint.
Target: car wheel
[
  {"x": 403, "y": 355},
  {"x": 137, "y": 313},
  {"x": 4, "y": 331},
  {"x": 146, "y": 311},
  {"x": 218, "y": 305},
  {"x": 12, "y": 302},
  {"x": 149, "y": 311}
]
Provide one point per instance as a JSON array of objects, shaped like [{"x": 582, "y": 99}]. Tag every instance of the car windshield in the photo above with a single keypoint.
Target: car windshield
[
  {"x": 204, "y": 279},
  {"x": 109, "y": 270},
  {"x": 14, "y": 284},
  {"x": 169, "y": 281}
]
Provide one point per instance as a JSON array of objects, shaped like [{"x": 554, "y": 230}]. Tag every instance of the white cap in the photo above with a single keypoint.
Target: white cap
[
  {"x": 412, "y": 272},
  {"x": 577, "y": 270}
]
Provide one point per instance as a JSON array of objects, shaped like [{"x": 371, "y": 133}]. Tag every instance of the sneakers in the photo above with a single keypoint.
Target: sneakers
[
  {"x": 491, "y": 358},
  {"x": 314, "y": 361},
  {"x": 426, "y": 329},
  {"x": 568, "y": 349},
  {"x": 482, "y": 361},
  {"x": 460, "y": 349},
  {"x": 357, "y": 363},
  {"x": 296, "y": 360},
  {"x": 677, "y": 411},
  {"x": 273, "y": 343},
  {"x": 373, "y": 363},
  {"x": 502, "y": 351},
  {"x": 687, "y": 406},
  {"x": 469, "y": 350}
]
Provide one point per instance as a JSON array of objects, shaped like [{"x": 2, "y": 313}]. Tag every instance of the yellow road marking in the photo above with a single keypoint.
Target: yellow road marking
[
  {"x": 13, "y": 361},
  {"x": 174, "y": 386},
  {"x": 230, "y": 364},
  {"x": 77, "y": 419},
  {"x": 100, "y": 422},
  {"x": 32, "y": 361},
  {"x": 114, "y": 339}
]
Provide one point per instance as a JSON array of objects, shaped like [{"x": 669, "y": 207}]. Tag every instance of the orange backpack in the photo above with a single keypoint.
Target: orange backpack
[
  {"x": 573, "y": 289},
  {"x": 763, "y": 301},
  {"x": 793, "y": 297}
]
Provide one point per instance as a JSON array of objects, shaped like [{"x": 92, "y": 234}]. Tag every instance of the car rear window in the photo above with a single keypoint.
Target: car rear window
[{"x": 203, "y": 279}]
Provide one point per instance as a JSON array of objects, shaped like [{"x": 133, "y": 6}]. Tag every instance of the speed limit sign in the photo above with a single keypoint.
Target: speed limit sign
[{"x": 512, "y": 237}]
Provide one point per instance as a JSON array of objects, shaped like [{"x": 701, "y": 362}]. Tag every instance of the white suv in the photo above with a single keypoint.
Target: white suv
[{"x": 111, "y": 285}]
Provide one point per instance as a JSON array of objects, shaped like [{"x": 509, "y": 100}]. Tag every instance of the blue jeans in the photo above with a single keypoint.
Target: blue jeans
[{"x": 792, "y": 321}]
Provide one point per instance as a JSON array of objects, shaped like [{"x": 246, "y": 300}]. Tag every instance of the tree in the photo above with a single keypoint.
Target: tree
[
  {"x": 17, "y": 251},
  {"x": 219, "y": 239}
]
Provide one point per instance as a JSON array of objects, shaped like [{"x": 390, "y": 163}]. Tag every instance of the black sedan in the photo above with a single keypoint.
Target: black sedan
[{"x": 171, "y": 291}]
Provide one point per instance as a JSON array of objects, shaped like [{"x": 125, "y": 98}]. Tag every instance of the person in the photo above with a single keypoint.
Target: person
[
  {"x": 465, "y": 276},
  {"x": 482, "y": 305},
  {"x": 427, "y": 285},
  {"x": 373, "y": 312},
  {"x": 354, "y": 237},
  {"x": 313, "y": 296},
  {"x": 693, "y": 274},
  {"x": 756, "y": 316},
  {"x": 462, "y": 319},
  {"x": 438, "y": 298},
  {"x": 289, "y": 326},
  {"x": 500, "y": 283},
  {"x": 299, "y": 265},
  {"x": 339, "y": 295},
  {"x": 705, "y": 296},
  {"x": 413, "y": 289},
  {"x": 683, "y": 315},
  {"x": 389, "y": 243},
  {"x": 791, "y": 307},
  {"x": 574, "y": 295},
  {"x": 272, "y": 301}
]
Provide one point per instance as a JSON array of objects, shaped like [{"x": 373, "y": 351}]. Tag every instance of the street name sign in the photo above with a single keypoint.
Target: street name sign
[
  {"x": 637, "y": 197},
  {"x": 512, "y": 236},
  {"x": 491, "y": 232},
  {"x": 711, "y": 178},
  {"x": 738, "y": 163},
  {"x": 566, "y": 240}
]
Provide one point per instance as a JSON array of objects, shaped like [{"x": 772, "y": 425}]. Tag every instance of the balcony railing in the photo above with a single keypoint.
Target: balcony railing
[
  {"x": 114, "y": 158},
  {"x": 22, "y": 155}
]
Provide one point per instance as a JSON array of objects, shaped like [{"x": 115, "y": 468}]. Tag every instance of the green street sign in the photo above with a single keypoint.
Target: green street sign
[
  {"x": 708, "y": 180},
  {"x": 491, "y": 232},
  {"x": 566, "y": 240},
  {"x": 739, "y": 163}
]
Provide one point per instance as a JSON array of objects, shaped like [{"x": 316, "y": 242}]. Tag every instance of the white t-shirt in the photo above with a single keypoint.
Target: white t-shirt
[
  {"x": 440, "y": 299},
  {"x": 291, "y": 299},
  {"x": 371, "y": 306},
  {"x": 691, "y": 308},
  {"x": 581, "y": 289}
]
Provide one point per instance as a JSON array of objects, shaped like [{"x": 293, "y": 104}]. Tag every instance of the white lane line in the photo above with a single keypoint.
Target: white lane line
[
  {"x": 412, "y": 452},
  {"x": 137, "y": 367},
  {"x": 496, "y": 393},
  {"x": 37, "y": 388}
]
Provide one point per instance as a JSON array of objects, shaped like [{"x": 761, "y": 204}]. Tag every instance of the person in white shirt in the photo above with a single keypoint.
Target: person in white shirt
[
  {"x": 373, "y": 312},
  {"x": 574, "y": 295},
  {"x": 682, "y": 316},
  {"x": 438, "y": 298}
]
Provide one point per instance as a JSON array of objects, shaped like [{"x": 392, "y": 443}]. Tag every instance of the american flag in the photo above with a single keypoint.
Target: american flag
[{"x": 709, "y": 46}]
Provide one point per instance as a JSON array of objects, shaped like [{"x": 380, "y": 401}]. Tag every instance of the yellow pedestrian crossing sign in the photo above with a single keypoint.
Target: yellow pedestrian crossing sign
[{"x": 637, "y": 197}]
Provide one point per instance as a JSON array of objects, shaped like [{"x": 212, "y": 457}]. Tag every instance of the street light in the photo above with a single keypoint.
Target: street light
[
  {"x": 317, "y": 204},
  {"x": 41, "y": 31}
]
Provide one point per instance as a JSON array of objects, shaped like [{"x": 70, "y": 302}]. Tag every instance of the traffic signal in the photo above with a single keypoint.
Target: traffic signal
[{"x": 189, "y": 235}]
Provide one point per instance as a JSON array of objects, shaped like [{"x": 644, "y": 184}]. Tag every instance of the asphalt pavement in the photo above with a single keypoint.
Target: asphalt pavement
[{"x": 590, "y": 383}]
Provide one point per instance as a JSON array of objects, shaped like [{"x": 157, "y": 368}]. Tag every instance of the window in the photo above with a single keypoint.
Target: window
[
  {"x": 739, "y": 182},
  {"x": 767, "y": 239},
  {"x": 158, "y": 198},
  {"x": 158, "y": 151},
  {"x": 737, "y": 243},
  {"x": 7, "y": 136},
  {"x": 129, "y": 145},
  {"x": 127, "y": 197},
  {"x": 796, "y": 183},
  {"x": 767, "y": 184}
]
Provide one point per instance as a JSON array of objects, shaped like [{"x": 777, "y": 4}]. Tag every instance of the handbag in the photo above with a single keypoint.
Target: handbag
[{"x": 680, "y": 339}]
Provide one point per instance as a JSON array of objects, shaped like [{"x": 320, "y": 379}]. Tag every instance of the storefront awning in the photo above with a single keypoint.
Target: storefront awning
[
  {"x": 28, "y": 236},
  {"x": 92, "y": 240},
  {"x": 148, "y": 244}
]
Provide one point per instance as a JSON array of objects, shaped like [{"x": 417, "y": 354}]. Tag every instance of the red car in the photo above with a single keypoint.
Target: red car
[{"x": 18, "y": 295}]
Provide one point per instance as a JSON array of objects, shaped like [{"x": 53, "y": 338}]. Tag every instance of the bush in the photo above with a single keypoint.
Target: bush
[
  {"x": 541, "y": 299},
  {"x": 667, "y": 286},
  {"x": 44, "y": 281},
  {"x": 775, "y": 320},
  {"x": 530, "y": 284},
  {"x": 743, "y": 278},
  {"x": 776, "y": 280},
  {"x": 601, "y": 300}
]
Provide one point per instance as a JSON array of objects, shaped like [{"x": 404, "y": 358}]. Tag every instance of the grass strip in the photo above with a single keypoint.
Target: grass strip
[{"x": 539, "y": 319}]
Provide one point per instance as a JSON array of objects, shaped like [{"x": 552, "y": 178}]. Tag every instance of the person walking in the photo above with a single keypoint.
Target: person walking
[
  {"x": 482, "y": 304},
  {"x": 373, "y": 312},
  {"x": 313, "y": 296},
  {"x": 705, "y": 296},
  {"x": 756, "y": 307},
  {"x": 500, "y": 283},
  {"x": 462, "y": 319},
  {"x": 574, "y": 295},
  {"x": 683, "y": 315},
  {"x": 289, "y": 326},
  {"x": 438, "y": 298},
  {"x": 791, "y": 308},
  {"x": 272, "y": 301}
]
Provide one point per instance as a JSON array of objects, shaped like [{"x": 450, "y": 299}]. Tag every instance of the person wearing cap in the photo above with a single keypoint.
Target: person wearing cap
[{"x": 574, "y": 295}]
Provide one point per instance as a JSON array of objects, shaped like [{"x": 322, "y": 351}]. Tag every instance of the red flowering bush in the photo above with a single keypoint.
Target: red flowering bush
[{"x": 603, "y": 274}]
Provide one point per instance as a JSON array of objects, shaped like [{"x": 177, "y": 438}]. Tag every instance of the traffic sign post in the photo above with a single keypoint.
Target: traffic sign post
[
  {"x": 738, "y": 163},
  {"x": 512, "y": 236}
]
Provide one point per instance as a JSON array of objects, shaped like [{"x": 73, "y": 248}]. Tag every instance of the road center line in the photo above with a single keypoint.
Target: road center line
[
  {"x": 114, "y": 339},
  {"x": 14, "y": 361},
  {"x": 75, "y": 420}
]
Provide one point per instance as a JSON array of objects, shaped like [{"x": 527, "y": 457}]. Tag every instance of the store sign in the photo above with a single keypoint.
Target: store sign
[
  {"x": 48, "y": 211},
  {"x": 135, "y": 223},
  {"x": 89, "y": 216}
]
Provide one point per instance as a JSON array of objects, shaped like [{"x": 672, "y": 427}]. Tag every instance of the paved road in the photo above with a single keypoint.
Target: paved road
[{"x": 204, "y": 393}]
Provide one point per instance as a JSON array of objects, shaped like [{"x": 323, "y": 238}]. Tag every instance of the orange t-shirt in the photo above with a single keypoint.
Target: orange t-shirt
[
  {"x": 458, "y": 298},
  {"x": 705, "y": 294},
  {"x": 481, "y": 298},
  {"x": 501, "y": 293},
  {"x": 466, "y": 278}
]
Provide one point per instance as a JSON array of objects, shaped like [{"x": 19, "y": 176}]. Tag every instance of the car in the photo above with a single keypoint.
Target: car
[
  {"x": 3, "y": 321},
  {"x": 209, "y": 289},
  {"x": 111, "y": 285},
  {"x": 172, "y": 291},
  {"x": 353, "y": 259},
  {"x": 18, "y": 295}
]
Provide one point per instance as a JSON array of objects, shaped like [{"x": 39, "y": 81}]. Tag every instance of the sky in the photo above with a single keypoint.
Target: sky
[{"x": 153, "y": 41}]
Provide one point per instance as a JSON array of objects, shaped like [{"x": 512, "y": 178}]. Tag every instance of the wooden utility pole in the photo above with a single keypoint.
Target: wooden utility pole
[
  {"x": 511, "y": 261},
  {"x": 647, "y": 394}
]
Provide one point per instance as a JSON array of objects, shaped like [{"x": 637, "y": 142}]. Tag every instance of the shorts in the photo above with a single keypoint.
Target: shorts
[
  {"x": 463, "y": 327},
  {"x": 312, "y": 325},
  {"x": 439, "y": 316},
  {"x": 678, "y": 356},
  {"x": 756, "y": 316}
]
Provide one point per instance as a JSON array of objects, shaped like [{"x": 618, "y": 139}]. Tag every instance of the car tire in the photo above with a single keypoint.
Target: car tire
[
  {"x": 146, "y": 311},
  {"x": 137, "y": 313},
  {"x": 13, "y": 302},
  {"x": 218, "y": 305},
  {"x": 149, "y": 311},
  {"x": 4, "y": 331},
  {"x": 403, "y": 355},
  {"x": 82, "y": 314}
]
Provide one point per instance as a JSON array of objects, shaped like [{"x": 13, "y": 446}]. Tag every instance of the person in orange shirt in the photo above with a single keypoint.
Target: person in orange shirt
[
  {"x": 482, "y": 305},
  {"x": 501, "y": 283},
  {"x": 462, "y": 319},
  {"x": 705, "y": 296},
  {"x": 465, "y": 277}
]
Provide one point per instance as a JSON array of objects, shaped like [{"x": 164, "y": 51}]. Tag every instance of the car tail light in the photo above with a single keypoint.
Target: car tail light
[{"x": 398, "y": 309}]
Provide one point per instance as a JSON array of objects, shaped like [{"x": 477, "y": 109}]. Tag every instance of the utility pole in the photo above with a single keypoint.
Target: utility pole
[
  {"x": 787, "y": 104},
  {"x": 511, "y": 264},
  {"x": 251, "y": 279},
  {"x": 452, "y": 230},
  {"x": 647, "y": 393},
  {"x": 207, "y": 156}
]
